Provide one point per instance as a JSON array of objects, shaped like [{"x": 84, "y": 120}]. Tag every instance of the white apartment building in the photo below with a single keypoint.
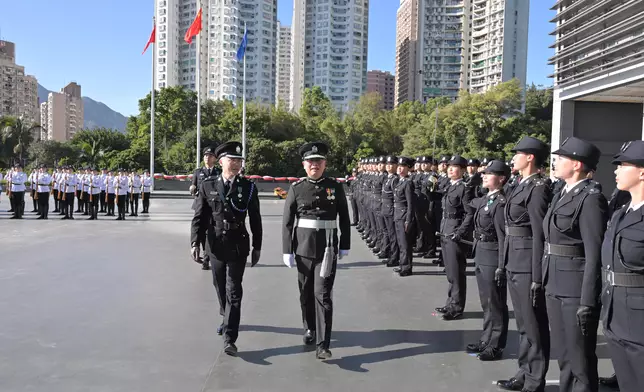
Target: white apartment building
[
  {"x": 63, "y": 113},
  {"x": 283, "y": 76},
  {"x": 330, "y": 49},
  {"x": 470, "y": 44},
  {"x": 221, "y": 75},
  {"x": 18, "y": 92}
]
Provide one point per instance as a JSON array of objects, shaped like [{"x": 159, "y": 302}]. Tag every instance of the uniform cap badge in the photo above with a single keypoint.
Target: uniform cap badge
[
  {"x": 314, "y": 148},
  {"x": 238, "y": 149}
]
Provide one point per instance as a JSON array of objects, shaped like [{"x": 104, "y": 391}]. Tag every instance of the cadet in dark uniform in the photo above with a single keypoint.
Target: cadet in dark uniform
[
  {"x": 222, "y": 204},
  {"x": 474, "y": 178},
  {"x": 354, "y": 197},
  {"x": 378, "y": 182},
  {"x": 208, "y": 170},
  {"x": 404, "y": 205},
  {"x": 525, "y": 210},
  {"x": 310, "y": 241},
  {"x": 622, "y": 298},
  {"x": 489, "y": 237},
  {"x": 455, "y": 226},
  {"x": 574, "y": 229},
  {"x": 388, "y": 211}
]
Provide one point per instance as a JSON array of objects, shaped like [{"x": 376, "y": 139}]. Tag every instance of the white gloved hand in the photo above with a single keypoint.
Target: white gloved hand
[
  {"x": 192, "y": 189},
  {"x": 343, "y": 253},
  {"x": 289, "y": 260}
]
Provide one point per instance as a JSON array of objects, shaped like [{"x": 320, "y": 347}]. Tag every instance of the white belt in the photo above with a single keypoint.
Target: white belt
[{"x": 317, "y": 224}]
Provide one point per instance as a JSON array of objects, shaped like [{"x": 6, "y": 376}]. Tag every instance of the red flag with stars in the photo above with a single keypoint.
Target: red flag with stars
[
  {"x": 152, "y": 38},
  {"x": 194, "y": 29}
]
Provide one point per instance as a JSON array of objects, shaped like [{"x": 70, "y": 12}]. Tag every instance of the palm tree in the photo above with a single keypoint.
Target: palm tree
[{"x": 20, "y": 132}]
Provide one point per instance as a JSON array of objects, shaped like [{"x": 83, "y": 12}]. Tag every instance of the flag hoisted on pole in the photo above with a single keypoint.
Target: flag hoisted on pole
[
  {"x": 241, "y": 55},
  {"x": 194, "y": 30},
  {"x": 152, "y": 40}
]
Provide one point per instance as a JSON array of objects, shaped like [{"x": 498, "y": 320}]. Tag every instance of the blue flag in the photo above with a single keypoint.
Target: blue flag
[{"x": 242, "y": 47}]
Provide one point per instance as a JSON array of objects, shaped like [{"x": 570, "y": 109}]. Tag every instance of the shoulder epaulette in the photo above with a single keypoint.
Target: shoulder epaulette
[
  {"x": 298, "y": 182},
  {"x": 332, "y": 179},
  {"x": 501, "y": 198},
  {"x": 539, "y": 182}
]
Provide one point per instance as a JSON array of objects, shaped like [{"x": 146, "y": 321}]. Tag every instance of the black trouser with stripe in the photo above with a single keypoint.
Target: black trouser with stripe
[
  {"x": 18, "y": 203},
  {"x": 134, "y": 203},
  {"x": 102, "y": 201},
  {"x": 120, "y": 203},
  {"x": 110, "y": 203},
  {"x": 146, "y": 201}
]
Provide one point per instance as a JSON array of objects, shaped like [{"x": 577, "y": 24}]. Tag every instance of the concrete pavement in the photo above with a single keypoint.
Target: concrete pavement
[{"x": 119, "y": 306}]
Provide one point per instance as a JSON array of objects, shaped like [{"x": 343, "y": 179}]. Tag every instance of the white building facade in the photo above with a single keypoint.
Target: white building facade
[
  {"x": 330, "y": 50},
  {"x": 283, "y": 71}
]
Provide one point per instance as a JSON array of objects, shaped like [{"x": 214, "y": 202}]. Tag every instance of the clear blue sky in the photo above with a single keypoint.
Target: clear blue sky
[{"x": 98, "y": 44}]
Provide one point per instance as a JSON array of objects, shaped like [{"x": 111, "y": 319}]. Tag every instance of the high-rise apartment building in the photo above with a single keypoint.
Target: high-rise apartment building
[
  {"x": 18, "y": 92},
  {"x": 383, "y": 83},
  {"x": 221, "y": 75},
  {"x": 330, "y": 49},
  {"x": 63, "y": 113},
  {"x": 406, "y": 49},
  {"x": 283, "y": 76},
  {"x": 463, "y": 44}
]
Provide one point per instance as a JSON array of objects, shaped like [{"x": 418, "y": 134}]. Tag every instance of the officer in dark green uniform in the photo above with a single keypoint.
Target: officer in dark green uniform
[
  {"x": 310, "y": 241},
  {"x": 223, "y": 203}
]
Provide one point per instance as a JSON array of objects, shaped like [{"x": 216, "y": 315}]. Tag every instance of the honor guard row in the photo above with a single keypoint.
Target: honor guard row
[
  {"x": 90, "y": 188},
  {"x": 553, "y": 246}
]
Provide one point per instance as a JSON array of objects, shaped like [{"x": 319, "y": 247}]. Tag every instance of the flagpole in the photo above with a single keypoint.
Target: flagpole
[
  {"x": 244, "y": 108},
  {"x": 154, "y": 52},
  {"x": 198, "y": 99}
]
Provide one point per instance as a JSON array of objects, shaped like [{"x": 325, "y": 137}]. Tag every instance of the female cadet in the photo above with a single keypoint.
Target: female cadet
[
  {"x": 622, "y": 251},
  {"x": 489, "y": 232}
]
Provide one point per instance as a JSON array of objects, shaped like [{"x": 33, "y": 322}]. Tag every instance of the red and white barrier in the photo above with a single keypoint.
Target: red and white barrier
[{"x": 184, "y": 177}]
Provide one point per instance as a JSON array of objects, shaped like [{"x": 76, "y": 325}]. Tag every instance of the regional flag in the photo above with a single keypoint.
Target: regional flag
[
  {"x": 242, "y": 46},
  {"x": 152, "y": 38},
  {"x": 194, "y": 29}
]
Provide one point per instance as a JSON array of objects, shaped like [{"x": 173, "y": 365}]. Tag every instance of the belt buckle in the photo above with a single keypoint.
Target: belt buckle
[
  {"x": 610, "y": 278},
  {"x": 226, "y": 225},
  {"x": 547, "y": 248}
]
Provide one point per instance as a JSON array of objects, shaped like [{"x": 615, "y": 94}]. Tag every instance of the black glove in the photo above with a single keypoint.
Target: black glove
[
  {"x": 587, "y": 319},
  {"x": 500, "y": 278},
  {"x": 535, "y": 293},
  {"x": 254, "y": 258}
]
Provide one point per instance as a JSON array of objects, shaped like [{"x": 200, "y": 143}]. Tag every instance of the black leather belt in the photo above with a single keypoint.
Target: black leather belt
[
  {"x": 400, "y": 205},
  {"x": 622, "y": 279},
  {"x": 485, "y": 238},
  {"x": 452, "y": 215},
  {"x": 565, "y": 250},
  {"x": 227, "y": 225},
  {"x": 518, "y": 231}
]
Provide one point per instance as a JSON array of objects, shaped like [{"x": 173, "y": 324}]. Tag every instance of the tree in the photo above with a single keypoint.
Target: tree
[{"x": 16, "y": 130}]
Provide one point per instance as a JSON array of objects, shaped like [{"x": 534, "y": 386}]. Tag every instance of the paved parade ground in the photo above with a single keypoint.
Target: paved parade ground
[{"x": 120, "y": 306}]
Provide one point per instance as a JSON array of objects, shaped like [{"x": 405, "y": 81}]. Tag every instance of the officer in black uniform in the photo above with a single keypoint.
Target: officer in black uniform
[
  {"x": 574, "y": 229},
  {"x": 310, "y": 241},
  {"x": 525, "y": 210},
  {"x": 455, "y": 226},
  {"x": 622, "y": 298},
  {"x": 388, "y": 211},
  {"x": 404, "y": 218},
  {"x": 378, "y": 182},
  {"x": 222, "y": 204},
  {"x": 420, "y": 179},
  {"x": 514, "y": 179},
  {"x": 489, "y": 236},
  {"x": 474, "y": 179},
  {"x": 202, "y": 173},
  {"x": 353, "y": 186},
  {"x": 429, "y": 186}
]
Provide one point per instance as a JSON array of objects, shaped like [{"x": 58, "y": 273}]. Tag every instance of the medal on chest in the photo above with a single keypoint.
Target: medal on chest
[{"x": 330, "y": 194}]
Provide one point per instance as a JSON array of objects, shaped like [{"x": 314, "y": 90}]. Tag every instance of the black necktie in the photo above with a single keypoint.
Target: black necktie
[{"x": 227, "y": 186}]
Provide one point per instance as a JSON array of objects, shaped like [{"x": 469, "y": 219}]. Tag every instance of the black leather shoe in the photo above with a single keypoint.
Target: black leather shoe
[
  {"x": 309, "y": 337},
  {"x": 397, "y": 269},
  {"x": 382, "y": 255},
  {"x": 353, "y": 224},
  {"x": 429, "y": 255},
  {"x": 323, "y": 353},
  {"x": 230, "y": 349},
  {"x": 475, "y": 348},
  {"x": 442, "y": 309},
  {"x": 405, "y": 273},
  {"x": 610, "y": 382},
  {"x": 205, "y": 266},
  {"x": 451, "y": 315},
  {"x": 510, "y": 385},
  {"x": 490, "y": 354},
  {"x": 375, "y": 249},
  {"x": 392, "y": 264},
  {"x": 220, "y": 329}
]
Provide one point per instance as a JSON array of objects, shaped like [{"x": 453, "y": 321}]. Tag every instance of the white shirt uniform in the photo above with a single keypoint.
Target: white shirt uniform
[
  {"x": 121, "y": 182},
  {"x": 135, "y": 183},
  {"x": 32, "y": 180},
  {"x": 147, "y": 184},
  {"x": 68, "y": 183},
  {"x": 103, "y": 179},
  {"x": 95, "y": 184},
  {"x": 18, "y": 180},
  {"x": 109, "y": 184},
  {"x": 44, "y": 181}
]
